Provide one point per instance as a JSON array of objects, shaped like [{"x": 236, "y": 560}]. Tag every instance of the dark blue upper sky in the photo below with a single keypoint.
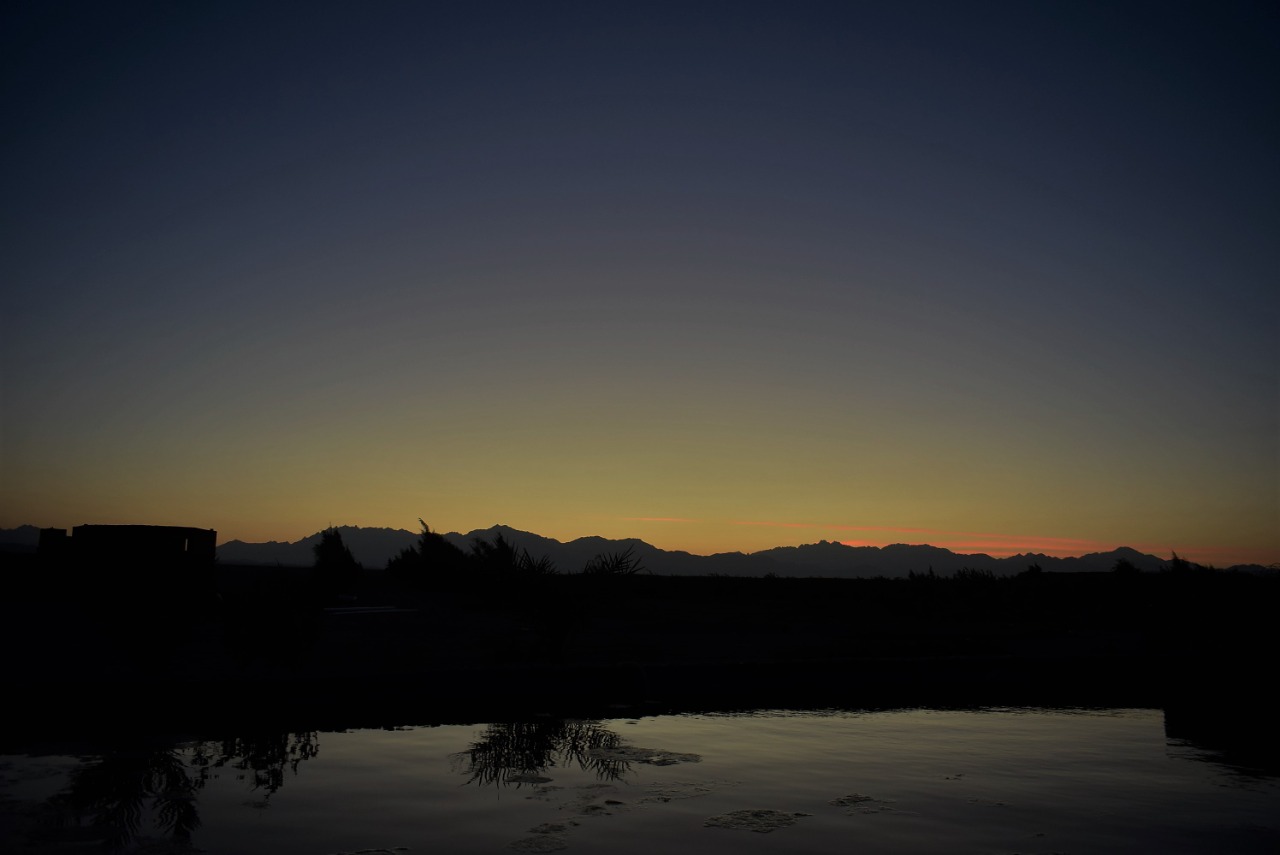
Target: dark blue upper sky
[{"x": 803, "y": 262}]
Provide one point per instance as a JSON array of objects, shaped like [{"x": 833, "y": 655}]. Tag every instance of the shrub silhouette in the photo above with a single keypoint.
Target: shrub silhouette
[
  {"x": 1124, "y": 567},
  {"x": 335, "y": 567},
  {"x": 625, "y": 563},
  {"x": 502, "y": 559},
  {"x": 431, "y": 561},
  {"x": 1182, "y": 567}
]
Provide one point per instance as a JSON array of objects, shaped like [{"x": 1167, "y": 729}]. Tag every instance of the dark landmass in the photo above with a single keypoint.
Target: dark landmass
[
  {"x": 131, "y": 647},
  {"x": 375, "y": 547},
  {"x": 473, "y": 643}
]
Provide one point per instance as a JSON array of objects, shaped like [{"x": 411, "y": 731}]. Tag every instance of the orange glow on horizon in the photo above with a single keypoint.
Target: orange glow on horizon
[
  {"x": 711, "y": 536},
  {"x": 659, "y": 519}
]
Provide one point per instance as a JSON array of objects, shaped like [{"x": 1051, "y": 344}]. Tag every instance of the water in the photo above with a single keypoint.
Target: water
[{"x": 982, "y": 781}]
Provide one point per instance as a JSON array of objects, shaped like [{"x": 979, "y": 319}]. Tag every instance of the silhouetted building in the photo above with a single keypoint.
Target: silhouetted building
[
  {"x": 53, "y": 544},
  {"x": 159, "y": 563},
  {"x": 146, "y": 544}
]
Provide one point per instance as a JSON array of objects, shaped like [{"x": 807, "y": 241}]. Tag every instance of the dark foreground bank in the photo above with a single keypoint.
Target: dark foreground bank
[{"x": 267, "y": 643}]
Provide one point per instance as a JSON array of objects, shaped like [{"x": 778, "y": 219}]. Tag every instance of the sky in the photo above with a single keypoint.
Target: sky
[{"x": 999, "y": 277}]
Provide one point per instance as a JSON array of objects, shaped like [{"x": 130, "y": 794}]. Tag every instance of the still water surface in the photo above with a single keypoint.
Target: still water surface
[{"x": 982, "y": 781}]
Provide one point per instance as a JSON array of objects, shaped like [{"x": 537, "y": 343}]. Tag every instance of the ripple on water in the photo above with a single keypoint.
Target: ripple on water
[
  {"x": 651, "y": 756},
  {"x": 670, "y": 791},
  {"x": 761, "y": 821},
  {"x": 861, "y": 803},
  {"x": 541, "y": 843}
]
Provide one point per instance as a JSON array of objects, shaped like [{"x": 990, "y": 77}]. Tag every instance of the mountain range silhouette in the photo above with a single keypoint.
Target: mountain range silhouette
[{"x": 373, "y": 547}]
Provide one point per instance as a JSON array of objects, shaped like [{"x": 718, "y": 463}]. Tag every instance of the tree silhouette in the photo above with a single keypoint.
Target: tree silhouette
[
  {"x": 336, "y": 568},
  {"x": 431, "y": 561}
]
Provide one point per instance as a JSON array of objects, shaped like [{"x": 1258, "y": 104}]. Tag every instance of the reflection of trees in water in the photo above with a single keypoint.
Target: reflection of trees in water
[
  {"x": 506, "y": 751},
  {"x": 115, "y": 791},
  {"x": 260, "y": 759}
]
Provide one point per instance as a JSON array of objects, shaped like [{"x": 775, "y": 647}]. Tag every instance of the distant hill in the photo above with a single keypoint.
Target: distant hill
[
  {"x": 24, "y": 538},
  {"x": 374, "y": 547}
]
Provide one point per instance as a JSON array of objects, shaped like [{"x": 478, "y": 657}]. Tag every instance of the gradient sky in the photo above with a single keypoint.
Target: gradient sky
[{"x": 722, "y": 276}]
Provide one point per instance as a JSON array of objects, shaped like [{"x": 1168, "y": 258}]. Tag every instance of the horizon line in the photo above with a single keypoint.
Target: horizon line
[{"x": 993, "y": 545}]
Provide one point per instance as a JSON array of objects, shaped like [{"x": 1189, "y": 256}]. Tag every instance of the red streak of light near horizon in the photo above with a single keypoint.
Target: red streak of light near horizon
[{"x": 995, "y": 540}]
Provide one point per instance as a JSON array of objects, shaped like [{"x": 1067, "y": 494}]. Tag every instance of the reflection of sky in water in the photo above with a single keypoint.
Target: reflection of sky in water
[{"x": 902, "y": 781}]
